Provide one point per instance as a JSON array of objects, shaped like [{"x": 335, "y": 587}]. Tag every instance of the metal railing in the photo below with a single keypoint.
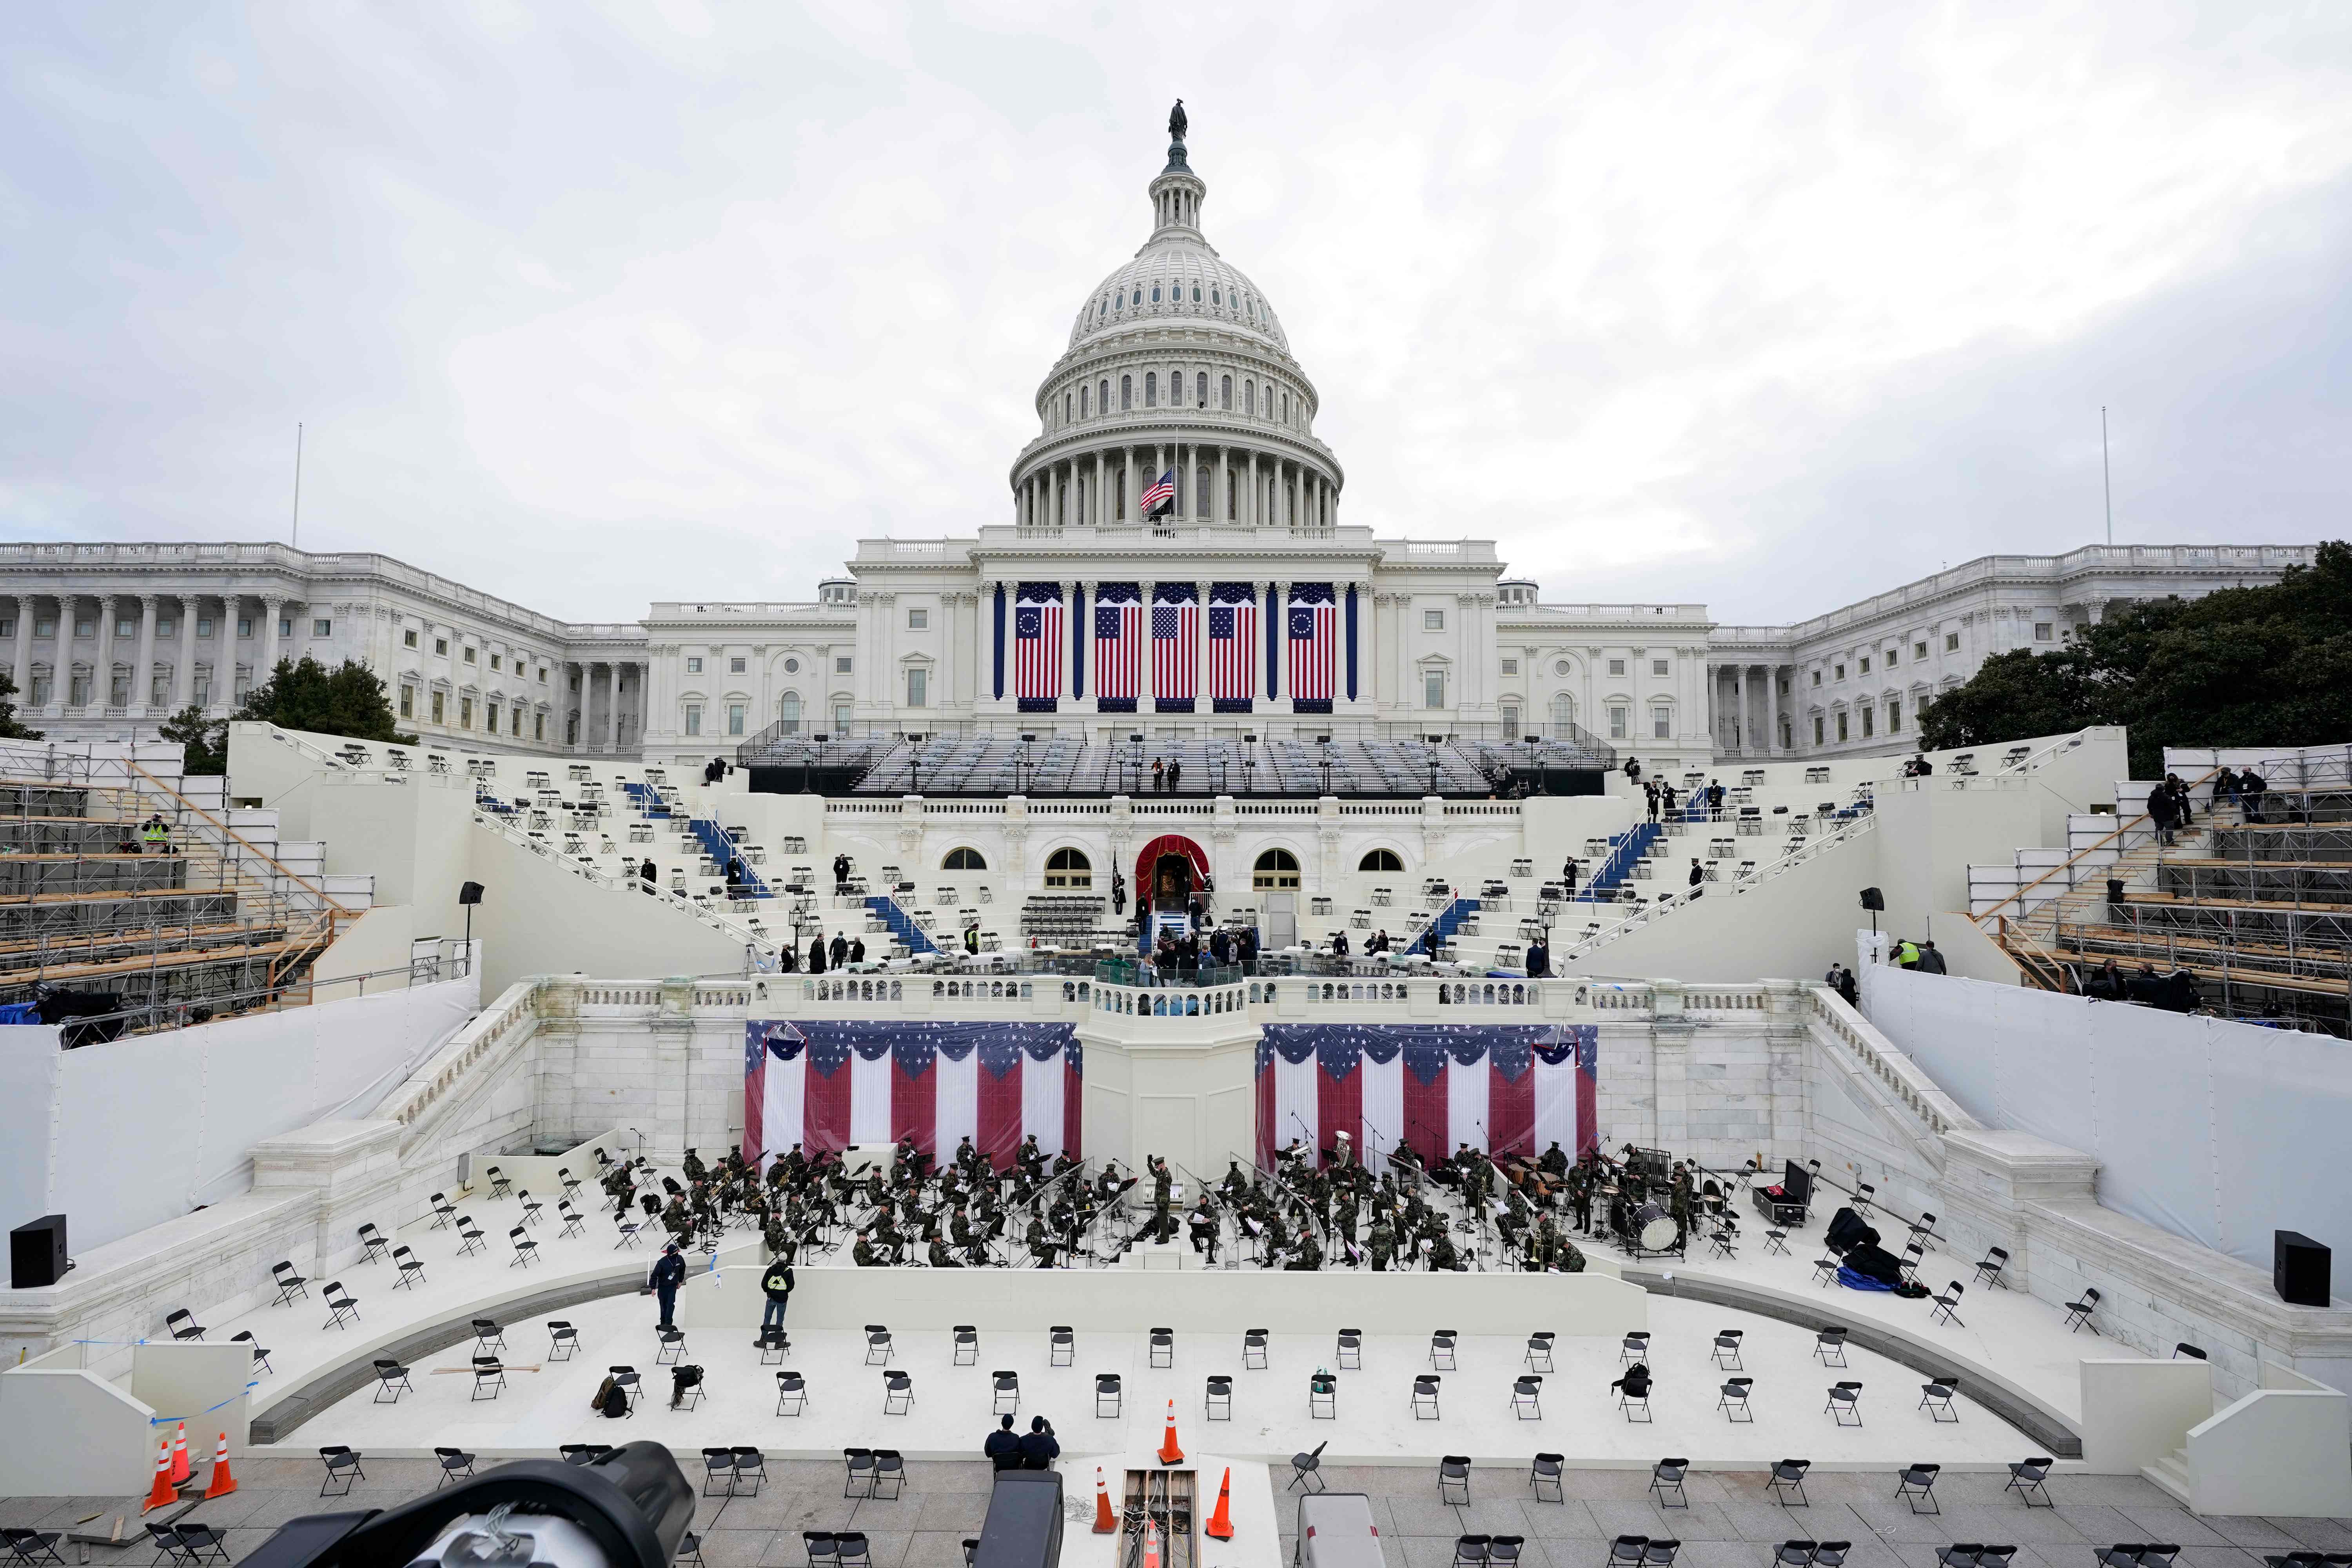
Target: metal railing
[{"x": 271, "y": 996}]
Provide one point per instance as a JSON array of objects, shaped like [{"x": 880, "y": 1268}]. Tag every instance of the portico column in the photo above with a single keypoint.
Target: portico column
[
  {"x": 102, "y": 675},
  {"x": 1102, "y": 513},
  {"x": 1148, "y": 688},
  {"x": 1201, "y": 650},
  {"x": 143, "y": 674},
  {"x": 1739, "y": 706},
  {"x": 269, "y": 637},
  {"x": 24, "y": 662},
  {"x": 184, "y": 674},
  {"x": 612, "y": 709}
]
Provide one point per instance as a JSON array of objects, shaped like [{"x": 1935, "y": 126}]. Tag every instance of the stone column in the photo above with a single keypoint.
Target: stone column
[
  {"x": 142, "y": 673},
  {"x": 269, "y": 608},
  {"x": 1200, "y": 703},
  {"x": 612, "y": 709},
  {"x": 184, "y": 674},
  {"x": 1225, "y": 485},
  {"x": 1146, "y": 688},
  {"x": 102, "y": 675},
  {"x": 22, "y": 672},
  {"x": 1740, "y": 709},
  {"x": 1102, "y": 466}
]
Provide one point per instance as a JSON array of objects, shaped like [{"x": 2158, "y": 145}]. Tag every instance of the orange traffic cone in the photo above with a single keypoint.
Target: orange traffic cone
[
  {"x": 180, "y": 1457},
  {"x": 1221, "y": 1523},
  {"x": 1170, "y": 1454},
  {"x": 1150, "y": 1544},
  {"x": 222, "y": 1483},
  {"x": 162, "y": 1491},
  {"x": 1105, "y": 1522}
]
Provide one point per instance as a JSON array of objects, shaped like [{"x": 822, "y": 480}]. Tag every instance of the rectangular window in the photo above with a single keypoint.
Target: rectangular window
[
  {"x": 539, "y": 726},
  {"x": 1433, "y": 688},
  {"x": 1662, "y": 723},
  {"x": 919, "y": 688},
  {"x": 7, "y": 628},
  {"x": 1919, "y": 651},
  {"x": 2042, "y": 631},
  {"x": 441, "y": 648},
  {"x": 408, "y": 702},
  {"x": 85, "y": 628},
  {"x": 1510, "y": 666},
  {"x": 204, "y": 627},
  {"x": 734, "y": 718},
  {"x": 694, "y": 717},
  {"x": 840, "y": 718},
  {"x": 1837, "y": 672},
  {"x": 1951, "y": 641},
  {"x": 497, "y": 662},
  {"x": 542, "y": 675},
  {"x": 734, "y": 666},
  {"x": 517, "y": 731},
  {"x": 1894, "y": 658},
  {"x": 322, "y": 628},
  {"x": 285, "y": 626},
  {"x": 124, "y": 626},
  {"x": 163, "y": 628},
  {"x": 1510, "y": 722},
  {"x": 1895, "y": 716},
  {"x": 465, "y": 712},
  {"x": 840, "y": 664},
  {"x": 1865, "y": 664},
  {"x": 408, "y": 638},
  {"x": 1616, "y": 667},
  {"x": 693, "y": 666},
  {"x": 1817, "y": 678},
  {"x": 490, "y": 713},
  {"x": 1816, "y": 728},
  {"x": 919, "y": 620},
  {"x": 1840, "y": 726},
  {"x": 159, "y": 691},
  {"x": 118, "y": 691},
  {"x": 1617, "y": 720},
  {"x": 1868, "y": 726},
  {"x": 469, "y": 656},
  {"x": 1433, "y": 620},
  {"x": 202, "y": 690},
  {"x": 78, "y": 692},
  {"x": 40, "y": 694},
  {"x": 245, "y": 625},
  {"x": 242, "y": 686},
  {"x": 438, "y": 700}
]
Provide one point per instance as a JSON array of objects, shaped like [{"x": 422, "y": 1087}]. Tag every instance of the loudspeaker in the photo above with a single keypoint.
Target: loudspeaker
[
  {"x": 2299, "y": 1269},
  {"x": 37, "y": 1253},
  {"x": 1872, "y": 899},
  {"x": 470, "y": 893}
]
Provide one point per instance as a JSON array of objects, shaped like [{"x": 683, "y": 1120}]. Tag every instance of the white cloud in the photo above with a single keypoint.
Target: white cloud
[{"x": 590, "y": 309}]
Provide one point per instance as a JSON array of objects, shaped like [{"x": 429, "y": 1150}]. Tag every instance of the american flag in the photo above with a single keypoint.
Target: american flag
[
  {"x": 1175, "y": 645},
  {"x": 1037, "y": 648},
  {"x": 1118, "y": 647},
  {"x": 1233, "y": 648},
  {"x": 1314, "y": 639},
  {"x": 1505, "y": 1088},
  {"x": 1161, "y": 492}
]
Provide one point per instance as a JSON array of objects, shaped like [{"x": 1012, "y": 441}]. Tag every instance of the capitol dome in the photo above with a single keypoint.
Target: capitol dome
[{"x": 1177, "y": 368}]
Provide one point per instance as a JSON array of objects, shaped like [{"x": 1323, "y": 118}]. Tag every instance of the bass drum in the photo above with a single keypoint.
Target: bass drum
[{"x": 1654, "y": 1227}]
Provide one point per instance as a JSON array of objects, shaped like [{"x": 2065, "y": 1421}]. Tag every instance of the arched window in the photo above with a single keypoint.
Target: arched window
[
  {"x": 1151, "y": 389},
  {"x": 1381, "y": 860},
  {"x": 963, "y": 860},
  {"x": 1155, "y": 293},
  {"x": 1276, "y": 870},
  {"x": 1102, "y": 394},
  {"x": 1563, "y": 712},
  {"x": 1226, "y": 396},
  {"x": 1201, "y": 491},
  {"x": 1196, "y": 293},
  {"x": 1066, "y": 408},
  {"x": 1249, "y": 396},
  {"x": 1069, "y": 869},
  {"x": 1126, "y": 392},
  {"x": 1083, "y": 393},
  {"x": 1285, "y": 408},
  {"x": 1200, "y": 389},
  {"x": 788, "y": 712}
]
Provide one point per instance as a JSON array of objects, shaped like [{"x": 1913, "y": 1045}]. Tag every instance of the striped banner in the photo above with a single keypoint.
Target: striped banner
[
  {"x": 1233, "y": 648},
  {"x": 1119, "y": 647},
  {"x": 1175, "y": 647},
  {"x": 826, "y": 1086},
  {"x": 1313, "y": 622},
  {"x": 1502, "y": 1089},
  {"x": 1037, "y": 646}
]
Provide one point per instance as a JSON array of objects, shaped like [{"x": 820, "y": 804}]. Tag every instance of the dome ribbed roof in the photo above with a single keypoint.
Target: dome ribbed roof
[{"x": 1178, "y": 277}]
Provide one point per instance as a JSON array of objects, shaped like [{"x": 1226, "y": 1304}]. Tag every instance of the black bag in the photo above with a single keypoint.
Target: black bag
[{"x": 615, "y": 1402}]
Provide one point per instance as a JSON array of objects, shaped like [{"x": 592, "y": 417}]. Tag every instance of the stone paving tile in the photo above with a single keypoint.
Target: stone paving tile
[
  {"x": 736, "y": 1548},
  {"x": 1568, "y": 1520},
  {"x": 2257, "y": 1535},
  {"x": 2209, "y": 1557},
  {"x": 1421, "y": 1514},
  {"x": 2094, "y": 1522},
  {"x": 2169, "y": 1521},
  {"x": 2319, "y": 1534},
  {"x": 1699, "y": 1522}
]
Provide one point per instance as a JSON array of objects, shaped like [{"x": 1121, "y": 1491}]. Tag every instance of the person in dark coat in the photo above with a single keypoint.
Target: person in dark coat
[
  {"x": 1040, "y": 1447},
  {"x": 1002, "y": 1448},
  {"x": 778, "y": 1284},
  {"x": 839, "y": 950},
  {"x": 816, "y": 954},
  {"x": 670, "y": 1273}
]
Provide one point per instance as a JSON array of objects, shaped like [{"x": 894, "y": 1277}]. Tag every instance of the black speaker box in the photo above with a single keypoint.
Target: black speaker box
[
  {"x": 37, "y": 1253},
  {"x": 2298, "y": 1268}
]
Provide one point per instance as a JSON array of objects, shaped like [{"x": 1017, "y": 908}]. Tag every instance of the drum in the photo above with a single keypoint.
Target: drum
[{"x": 1654, "y": 1228}]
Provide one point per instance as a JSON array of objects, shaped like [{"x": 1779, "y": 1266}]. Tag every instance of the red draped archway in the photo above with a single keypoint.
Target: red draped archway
[{"x": 1170, "y": 843}]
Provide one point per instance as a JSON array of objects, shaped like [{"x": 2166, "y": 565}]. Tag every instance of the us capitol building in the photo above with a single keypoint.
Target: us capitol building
[{"x": 1175, "y": 565}]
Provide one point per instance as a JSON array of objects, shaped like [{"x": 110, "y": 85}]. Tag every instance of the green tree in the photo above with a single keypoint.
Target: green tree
[
  {"x": 203, "y": 742},
  {"x": 349, "y": 700},
  {"x": 2243, "y": 667},
  {"x": 11, "y": 728}
]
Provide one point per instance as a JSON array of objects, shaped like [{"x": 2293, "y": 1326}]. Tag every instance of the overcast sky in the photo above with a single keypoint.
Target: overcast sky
[{"x": 1767, "y": 305}]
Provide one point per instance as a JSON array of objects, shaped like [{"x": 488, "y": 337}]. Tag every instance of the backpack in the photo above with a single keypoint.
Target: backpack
[
  {"x": 616, "y": 1404},
  {"x": 602, "y": 1389}
]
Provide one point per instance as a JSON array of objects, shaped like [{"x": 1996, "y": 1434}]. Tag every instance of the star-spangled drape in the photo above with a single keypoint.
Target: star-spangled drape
[
  {"x": 826, "y": 1085},
  {"x": 1504, "y": 1089}
]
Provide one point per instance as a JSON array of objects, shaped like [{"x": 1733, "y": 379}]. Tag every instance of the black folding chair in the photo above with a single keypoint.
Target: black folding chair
[
  {"x": 1916, "y": 1484},
  {"x": 1307, "y": 1467},
  {"x": 2026, "y": 1478},
  {"x": 1454, "y": 1476},
  {"x": 33, "y": 1545},
  {"x": 1666, "y": 1476},
  {"x": 1789, "y": 1480},
  {"x": 291, "y": 1286},
  {"x": 410, "y": 1269},
  {"x": 2078, "y": 1313},
  {"x": 340, "y": 1461},
  {"x": 261, "y": 1354},
  {"x": 391, "y": 1378},
  {"x": 183, "y": 1325},
  {"x": 342, "y": 1306},
  {"x": 456, "y": 1466},
  {"x": 1548, "y": 1470}
]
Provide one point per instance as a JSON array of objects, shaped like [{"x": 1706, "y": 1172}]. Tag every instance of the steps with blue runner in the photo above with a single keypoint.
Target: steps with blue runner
[
  {"x": 1449, "y": 921},
  {"x": 902, "y": 925},
  {"x": 721, "y": 849},
  {"x": 1624, "y": 850},
  {"x": 651, "y": 804}
]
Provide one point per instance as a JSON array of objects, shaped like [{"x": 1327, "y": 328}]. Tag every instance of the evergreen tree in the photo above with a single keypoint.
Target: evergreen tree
[
  {"x": 203, "y": 742},
  {"x": 349, "y": 700},
  {"x": 11, "y": 728}
]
